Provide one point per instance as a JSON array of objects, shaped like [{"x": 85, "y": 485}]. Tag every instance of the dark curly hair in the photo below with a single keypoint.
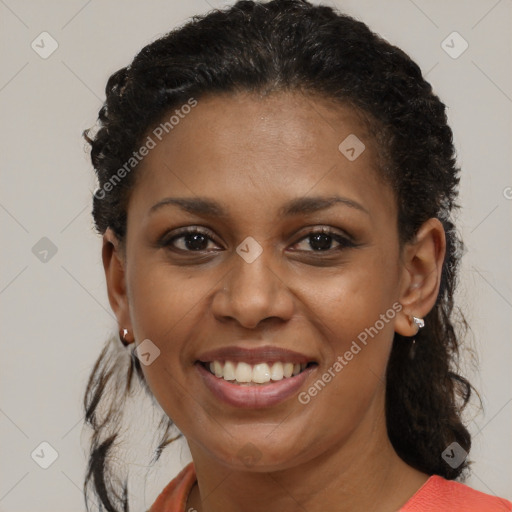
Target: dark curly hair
[{"x": 292, "y": 45}]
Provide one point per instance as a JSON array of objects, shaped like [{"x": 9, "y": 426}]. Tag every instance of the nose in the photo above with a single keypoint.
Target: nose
[{"x": 251, "y": 293}]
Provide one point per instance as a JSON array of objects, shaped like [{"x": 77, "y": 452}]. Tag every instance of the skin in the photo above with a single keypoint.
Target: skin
[{"x": 253, "y": 154}]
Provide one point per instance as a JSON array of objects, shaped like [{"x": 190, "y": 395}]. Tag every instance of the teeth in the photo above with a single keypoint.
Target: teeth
[
  {"x": 217, "y": 369},
  {"x": 228, "y": 373},
  {"x": 259, "y": 373},
  {"x": 277, "y": 372},
  {"x": 243, "y": 372},
  {"x": 288, "y": 369}
]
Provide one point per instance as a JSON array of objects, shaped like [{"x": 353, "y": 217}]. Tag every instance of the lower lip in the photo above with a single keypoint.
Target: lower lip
[{"x": 255, "y": 396}]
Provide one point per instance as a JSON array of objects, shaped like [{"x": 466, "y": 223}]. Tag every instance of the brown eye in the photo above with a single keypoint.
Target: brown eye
[
  {"x": 322, "y": 240},
  {"x": 188, "y": 240}
]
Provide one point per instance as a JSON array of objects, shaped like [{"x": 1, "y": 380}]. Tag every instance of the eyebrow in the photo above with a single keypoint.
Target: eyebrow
[{"x": 302, "y": 205}]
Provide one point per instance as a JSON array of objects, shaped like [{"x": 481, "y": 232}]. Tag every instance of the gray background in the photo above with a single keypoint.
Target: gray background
[{"x": 55, "y": 314}]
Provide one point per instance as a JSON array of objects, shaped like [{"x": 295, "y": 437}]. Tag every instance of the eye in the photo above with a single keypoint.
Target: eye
[
  {"x": 321, "y": 240},
  {"x": 194, "y": 240}
]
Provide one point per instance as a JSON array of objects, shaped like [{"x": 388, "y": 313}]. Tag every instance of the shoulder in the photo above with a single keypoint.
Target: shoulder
[
  {"x": 439, "y": 494},
  {"x": 174, "y": 496}
]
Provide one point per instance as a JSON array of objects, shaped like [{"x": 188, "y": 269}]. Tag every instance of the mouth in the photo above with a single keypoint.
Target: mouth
[
  {"x": 255, "y": 384},
  {"x": 243, "y": 373},
  {"x": 254, "y": 377}
]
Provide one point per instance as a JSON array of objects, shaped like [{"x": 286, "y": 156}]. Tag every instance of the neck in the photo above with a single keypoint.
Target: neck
[{"x": 363, "y": 473}]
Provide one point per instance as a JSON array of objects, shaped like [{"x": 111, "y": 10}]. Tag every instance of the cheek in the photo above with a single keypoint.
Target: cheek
[
  {"x": 163, "y": 301},
  {"x": 351, "y": 380},
  {"x": 354, "y": 312},
  {"x": 165, "y": 308},
  {"x": 350, "y": 300}
]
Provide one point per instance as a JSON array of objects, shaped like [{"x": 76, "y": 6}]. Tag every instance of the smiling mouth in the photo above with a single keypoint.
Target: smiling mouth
[{"x": 245, "y": 374}]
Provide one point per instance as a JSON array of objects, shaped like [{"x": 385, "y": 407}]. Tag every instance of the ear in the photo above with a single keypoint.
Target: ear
[
  {"x": 422, "y": 262},
  {"x": 114, "y": 264}
]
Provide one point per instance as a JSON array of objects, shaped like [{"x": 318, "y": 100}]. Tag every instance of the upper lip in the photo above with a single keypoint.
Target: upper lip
[{"x": 265, "y": 354}]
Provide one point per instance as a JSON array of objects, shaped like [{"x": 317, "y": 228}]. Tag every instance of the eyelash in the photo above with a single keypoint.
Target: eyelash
[{"x": 344, "y": 241}]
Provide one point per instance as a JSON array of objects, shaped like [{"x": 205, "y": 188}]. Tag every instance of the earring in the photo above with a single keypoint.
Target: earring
[
  {"x": 123, "y": 337},
  {"x": 419, "y": 322}
]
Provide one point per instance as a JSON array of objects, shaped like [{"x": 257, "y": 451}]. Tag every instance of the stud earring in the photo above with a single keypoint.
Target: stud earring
[
  {"x": 419, "y": 322},
  {"x": 123, "y": 337}
]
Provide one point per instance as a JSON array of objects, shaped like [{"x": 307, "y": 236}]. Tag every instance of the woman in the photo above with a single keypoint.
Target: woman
[{"x": 276, "y": 184}]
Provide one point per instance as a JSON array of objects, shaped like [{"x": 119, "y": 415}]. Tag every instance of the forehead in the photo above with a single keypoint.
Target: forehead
[{"x": 246, "y": 149}]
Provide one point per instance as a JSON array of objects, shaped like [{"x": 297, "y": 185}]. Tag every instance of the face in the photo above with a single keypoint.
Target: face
[{"x": 276, "y": 271}]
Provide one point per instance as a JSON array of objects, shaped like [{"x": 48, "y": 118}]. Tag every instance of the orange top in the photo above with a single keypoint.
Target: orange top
[{"x": 436, "y": 495}]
